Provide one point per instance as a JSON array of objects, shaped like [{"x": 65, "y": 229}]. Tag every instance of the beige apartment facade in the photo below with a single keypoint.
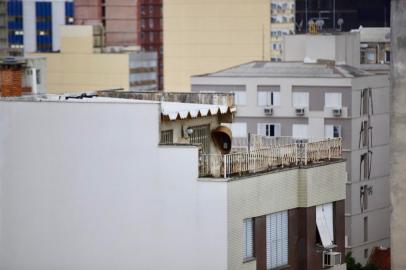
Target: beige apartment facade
[
  {"x": 79, "y": 67},
  {"x": 202, "y": 36}
]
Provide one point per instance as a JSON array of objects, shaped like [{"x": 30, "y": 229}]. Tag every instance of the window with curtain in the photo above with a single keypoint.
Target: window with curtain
[
  {"x": 270, "y": 130},
  {"x": 277, "y": 239},
  {"x": 300, "y": 131},
  {"x": 248, "y": 239},
  {"x": 240, "y": 98},
  {"x": 333, "y": 100},
  {"x": 324, "y": 222},
  {"x": 238, "y": 130},
  {"x": 332, "y": 131},
  {"x": 268, "y": 98},
  {"x": 300, "y": 99}
]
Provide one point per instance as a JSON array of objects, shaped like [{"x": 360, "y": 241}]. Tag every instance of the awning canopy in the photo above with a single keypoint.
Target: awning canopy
[{"x": 178, "y": 110}]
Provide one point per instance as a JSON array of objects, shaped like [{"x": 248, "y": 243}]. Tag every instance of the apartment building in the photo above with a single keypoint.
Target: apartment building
[
  {"x": 375, "y": 45},
  {"x": 126, "y": 23},
  {"x": 79, "y": 66},
  {"x": 317, "y": 100},
  {"x": 150, "y": 31},
  {"x": 33, "y": 26},
  {"x": 282, "y": 23},
  {"x": 3, "y": 28},
  {"x": 353, "y": 14},
  {"x": 89, "y": 190},
  {"x": 234, "y": 33}
]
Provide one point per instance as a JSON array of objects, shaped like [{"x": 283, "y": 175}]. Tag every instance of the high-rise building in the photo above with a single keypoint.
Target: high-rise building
[
  {"x": 126, "y": 23},
  {"x": 203, "y": 36},
  {"x": 366, "y": 13},
  {"x": 149, "y": 29},
  {"x": 33, "y": 26},
  {"x": 316, "y": 100}
]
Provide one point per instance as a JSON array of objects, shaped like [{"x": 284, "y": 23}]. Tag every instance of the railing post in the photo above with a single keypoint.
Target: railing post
[
  {"x": 305, "y": 152},
  {"x": 249, "y": 142},
  {"x": 225, "y": 166},
  {"x": 296, "y": 154}
]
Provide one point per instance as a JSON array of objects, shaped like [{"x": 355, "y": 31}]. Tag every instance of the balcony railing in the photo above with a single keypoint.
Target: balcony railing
[{"x": 268, "y": 157}]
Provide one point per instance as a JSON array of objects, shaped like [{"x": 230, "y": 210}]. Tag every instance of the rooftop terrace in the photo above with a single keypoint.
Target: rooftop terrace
[{"x": 267, "y": 154}]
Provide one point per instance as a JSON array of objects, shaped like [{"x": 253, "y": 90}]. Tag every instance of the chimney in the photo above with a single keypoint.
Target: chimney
[{"x": 11, "y": 77}]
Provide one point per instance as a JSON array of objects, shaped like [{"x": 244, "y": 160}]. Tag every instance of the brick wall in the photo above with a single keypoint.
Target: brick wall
[{"x": 11, "y": 82}]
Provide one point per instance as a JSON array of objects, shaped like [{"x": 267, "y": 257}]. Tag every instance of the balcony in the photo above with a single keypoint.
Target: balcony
[{"x": 267, "y": 154}]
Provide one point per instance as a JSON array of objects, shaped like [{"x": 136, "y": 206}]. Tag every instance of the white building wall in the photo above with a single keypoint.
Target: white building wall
[
  {"x": 83, "y": 187},
  {"x": 58, "y": 19},
  {"x": 29, "y": 26}
]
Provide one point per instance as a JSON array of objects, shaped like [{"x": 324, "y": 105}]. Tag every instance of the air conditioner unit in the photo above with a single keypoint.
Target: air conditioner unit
[
  {"x": 300, "y": 111},
  {"x": 268, "y": 110},
  {"x": 331, "y": 258},
  {"x": 337, "y": 112}
]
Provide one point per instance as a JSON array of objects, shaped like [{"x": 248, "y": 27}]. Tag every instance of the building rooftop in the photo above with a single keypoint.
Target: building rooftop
[
  {"x": 290, "y": 69},
  {"x": 169, "y": 110}
]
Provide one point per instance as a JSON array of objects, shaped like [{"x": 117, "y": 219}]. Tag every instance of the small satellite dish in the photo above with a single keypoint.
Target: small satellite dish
[
  {"x": 319, "y": 24},
  {"x": 340, "y": 23}
]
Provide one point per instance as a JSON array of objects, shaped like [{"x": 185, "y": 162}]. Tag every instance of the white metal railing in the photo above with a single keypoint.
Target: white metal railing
[{"x": 268, "y": 157}]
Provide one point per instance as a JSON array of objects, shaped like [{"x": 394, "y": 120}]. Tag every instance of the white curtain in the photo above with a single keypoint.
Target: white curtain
[
  {"x": 267, "y": 98},
  {"x": 300, "y": 131},
  {"x": 238, "y": 130},
  {"x": 300, "y": 99},
  {"x": 333, "y": 100},
  {"x": 248, "y": 238},
  {"x": 324, "y": 221},
  {"x": 240, "y": 98},
  {"x": 277, "y": 239}
]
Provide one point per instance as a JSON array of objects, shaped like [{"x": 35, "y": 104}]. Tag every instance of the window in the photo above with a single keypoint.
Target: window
[
  {"x": 240, "y": 98},
  {"x": 201, "y": 136},
  {"x": 365, "y": 229},
  {"x": 387, "y": 56},
  {"x": 167, "y": 136},
  {"x": 365, "y": 97},
  {"x": 364, "y": 134},
  {"x": 300, "y": 99},
  {"x": 277, "y": 240},
  {"x": 332, "y": 100},
  {"x": 238, "y": 130},
  {"x": 268, "y": 98},
  {"x": 324, "y": 221},
  {"x": 366, "y": 253},
  {"x": 248, "y": 239},
  {"x": 332, "y": 131},
  {"x": 365, "y": 165},
  {"x": 300, "y": 131},
  {"x": 270, "y": 130},
  {"x": 38, "y": 75}
]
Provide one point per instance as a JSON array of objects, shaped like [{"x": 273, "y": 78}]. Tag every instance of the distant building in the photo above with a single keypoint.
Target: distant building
[
  {"x": 282, "y": 24},
  {"x": 375, "y": 45},
  {"x": 322, "y": 100},
  {"x": 366, "y": 13},
  {"x": 339, "y": 48},
  {"x": 131, "y": 180},
  {"x": 22, "y": 76},
  {"x": 3, "y": 28},
  {"x": 234, "y": 32},
  {"x": 83, "y": 64},
  {"x": 33, "y": 26},
  {"x": 126, "y": 23}
]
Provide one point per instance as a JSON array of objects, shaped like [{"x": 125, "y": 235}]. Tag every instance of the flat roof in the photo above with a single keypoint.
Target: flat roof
[{"x": 289, "y": 69}]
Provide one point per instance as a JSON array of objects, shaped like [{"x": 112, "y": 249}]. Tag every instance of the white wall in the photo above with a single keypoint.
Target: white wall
[{"x": 85, "y": 186}]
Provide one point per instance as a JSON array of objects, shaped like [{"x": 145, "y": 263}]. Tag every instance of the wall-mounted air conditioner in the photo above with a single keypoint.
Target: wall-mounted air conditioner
[
  {"x": 337, "y": 112},
  {"x": 300, "y": 111},
  {"x": 268, "y": 110},
  {"x": 331, "y": 258}
]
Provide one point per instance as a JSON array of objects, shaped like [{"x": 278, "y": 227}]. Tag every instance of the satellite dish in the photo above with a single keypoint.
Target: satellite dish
[
  {"x": 319, "y": 24},
  {"x": 340, "y": 23}
]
